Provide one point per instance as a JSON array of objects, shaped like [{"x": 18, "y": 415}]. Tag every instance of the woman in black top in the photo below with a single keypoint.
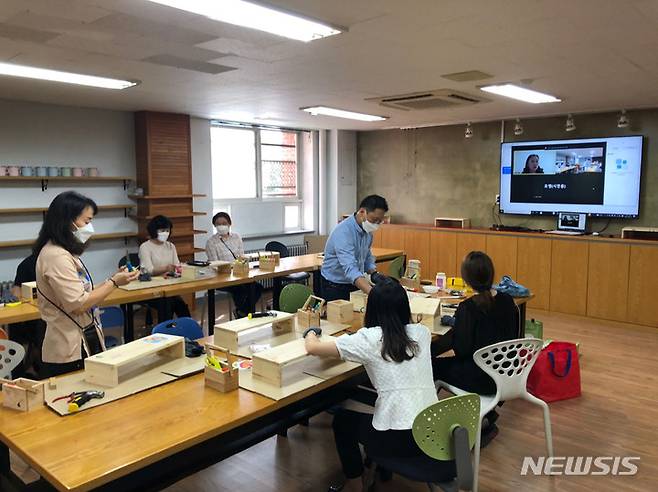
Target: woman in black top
[{"x": 484, "y": 319}]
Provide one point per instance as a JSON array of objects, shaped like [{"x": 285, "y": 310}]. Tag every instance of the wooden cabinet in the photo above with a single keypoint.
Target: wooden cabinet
[
  {"x": 443, "y": 253},
  {"x": 642, "y": 283},
  {"x": 417, "y": 247},
  {"x": 607, "y": 284},
  {"x": 393, "y": 238},
  {"x": 569, "y": 264},
  {"x": 503, "y": 252},
  {"x": 533, "y": 269},
  {"x": 467, "y": 242},
  {"x": 377, "y": 238}
]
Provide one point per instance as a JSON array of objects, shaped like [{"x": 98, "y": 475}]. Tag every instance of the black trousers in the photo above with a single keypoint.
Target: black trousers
[
  {"x": 52, "y": 369},
  {"x": 167, "y": 307},
  {"x": 245, "y": 297},
  {"x": 332, "y": 291},
  {"x": 352, "y": 428}
]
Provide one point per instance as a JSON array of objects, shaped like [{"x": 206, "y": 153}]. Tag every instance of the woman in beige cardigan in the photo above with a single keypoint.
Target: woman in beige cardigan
[{"x": 66, "y": 295}]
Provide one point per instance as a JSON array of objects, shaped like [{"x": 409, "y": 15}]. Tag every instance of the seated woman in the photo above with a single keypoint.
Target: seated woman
[
  {"x": 227, "y": 246},
  {"x": 532, "y": 165},
  {"x": 158, "y": 256},
  {"x": 396, "y": 356},
  {"x": 486, "y": 318}
]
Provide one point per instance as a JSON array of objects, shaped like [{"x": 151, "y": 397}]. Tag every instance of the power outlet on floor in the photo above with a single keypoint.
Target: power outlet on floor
[{"x": 497, "y": 199}]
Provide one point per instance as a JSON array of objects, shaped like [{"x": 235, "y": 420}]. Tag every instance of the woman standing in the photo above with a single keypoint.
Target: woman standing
[{"x": 67, "y": 297}]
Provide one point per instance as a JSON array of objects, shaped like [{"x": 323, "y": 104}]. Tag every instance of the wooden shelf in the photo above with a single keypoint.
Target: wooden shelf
[
  {"x": 40, "y": 210},
  {"x": 173, "y": 216},
  {"x": 152, "y": 197},
  {"x": 44, "y": 180},
  {"x": 29, "y": 242},
  {"x": 176, "y": 234}
]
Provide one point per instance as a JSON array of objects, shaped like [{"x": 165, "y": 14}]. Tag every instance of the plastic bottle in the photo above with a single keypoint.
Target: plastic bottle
[{"x": 440, "y": 281}]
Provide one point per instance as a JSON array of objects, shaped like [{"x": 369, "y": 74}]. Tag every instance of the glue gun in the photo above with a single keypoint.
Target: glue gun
[{"x": 263, "y": 314}]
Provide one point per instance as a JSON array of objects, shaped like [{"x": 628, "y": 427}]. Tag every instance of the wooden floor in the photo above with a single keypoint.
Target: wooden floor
[{"x": 617, "y": 415}]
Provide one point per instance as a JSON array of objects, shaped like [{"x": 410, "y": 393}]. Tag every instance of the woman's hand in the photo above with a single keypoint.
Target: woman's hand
[
  {"x": 123, "y": 276},
  {"x": 310, "y": 341}
]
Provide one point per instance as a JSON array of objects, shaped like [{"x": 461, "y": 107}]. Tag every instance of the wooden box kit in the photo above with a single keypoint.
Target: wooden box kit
[
  {"x": 280, "y": 365},
  {"x": 359, "y": 299},
  {"x": 309, "y": 314},
  {"x": 240, "y": 267},
  {"x": 426, "y": 311},
  {"x": 22, "y": 394},
  {"x": 267, "y": 263},
  {"x": 340, "y": 311},
  {"x": 228, "y": 334},
  {"x": 125, "y": 361},
  {"x": 452, "y": 222},
  {"x": 223, "y": 381}
]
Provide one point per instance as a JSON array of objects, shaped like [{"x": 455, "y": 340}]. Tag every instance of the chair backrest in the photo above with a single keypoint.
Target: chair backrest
[
  {"x": 134, "y": 260},
  {"x": 433, "y": 427},
  {"x": 280, "y": 248},
  {"x": 293, "y": 297},
  {"x": 509, "y": 364},
  {"x": 111, "y": 316},
  {"x": 183, "y": 327},
  {"x": 11, "y": 354},
  {"x": 396, "y": 267}
]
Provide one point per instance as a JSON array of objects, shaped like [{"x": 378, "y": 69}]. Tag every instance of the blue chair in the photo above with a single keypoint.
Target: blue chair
[
  {"x": 183, "y": 327},
  {"x": 112, "y": 318}
]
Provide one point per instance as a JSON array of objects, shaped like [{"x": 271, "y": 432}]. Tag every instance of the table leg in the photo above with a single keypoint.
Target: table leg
[
  {"x": 276, "y": 292},
  {"x": 128, "y": 323},
  {"x": 317, "y": 286},
  {"x": 4, "y": 459},
  {"x": 211, "y": 311}
]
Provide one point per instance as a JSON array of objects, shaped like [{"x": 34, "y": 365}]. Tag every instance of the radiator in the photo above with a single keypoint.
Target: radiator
[{"x": 293, "y": 249}]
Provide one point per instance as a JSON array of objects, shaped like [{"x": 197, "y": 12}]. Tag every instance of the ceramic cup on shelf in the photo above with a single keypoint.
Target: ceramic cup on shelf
[
  {"x": 3, "y": 170},
  {"x": 53, "y": 171},
  {"x": 65, "y": 171},
  {"x": 42, "y": 171},
  {"x": 27, "y": 171},
  {"x": 77, "y": 172},
  {"x": 13, "y": 171},
  {"x": 92, "y": 172}
]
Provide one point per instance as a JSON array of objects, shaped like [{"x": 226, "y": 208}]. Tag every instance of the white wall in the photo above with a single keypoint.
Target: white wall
[
  {"x": 338, "y": 170},
  {"x": 39, "y": 134}
]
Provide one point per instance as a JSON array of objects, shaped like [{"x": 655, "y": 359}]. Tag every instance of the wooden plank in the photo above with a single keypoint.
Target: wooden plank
[
  {"x": 96, "y": 237},
  {"x": 534, "y": 269},
  {"x": 607, "y": 285},
  {"x": 417, "y": 247},
  {"x": 569, "y": 263},
  {"x": 467, "y": 242},
  {"x": 503, "y": 252},
  {"x": 643, "y": 272},
  {"x": 443, "y": 253},
  {"x": 228, "y": 334}
]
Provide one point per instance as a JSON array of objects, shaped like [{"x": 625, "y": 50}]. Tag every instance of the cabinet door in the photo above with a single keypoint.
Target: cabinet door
[
  {"x": 533, "y": 269},
  {"x": 607, "y": 285},
  {"x": 467, "y": 242},
  {"x": 393, "y": 237},
  {"x": 443, "y": 253},
  {"x": 417, "y": 247},
  {"x": 643, "y": 272},
  {"x": 569, "y": 276},
  {"x": 503, "y": 251},
  {"x": 377, "y": 238}
]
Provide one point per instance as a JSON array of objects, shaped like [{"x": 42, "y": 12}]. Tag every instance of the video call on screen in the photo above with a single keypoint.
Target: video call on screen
[{"x": 560, "y": 173}]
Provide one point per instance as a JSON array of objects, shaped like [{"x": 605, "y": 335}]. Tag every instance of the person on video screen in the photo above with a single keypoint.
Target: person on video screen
[{"x": 532, "y": 165}]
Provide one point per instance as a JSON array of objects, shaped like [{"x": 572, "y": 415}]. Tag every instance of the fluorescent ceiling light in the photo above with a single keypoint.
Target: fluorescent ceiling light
[
  {"x": 520, "y": 93},
  {"x": 255, "y": 16},
  {"x": 341, "y": 113},
  {"x": 66, "y": 77}
]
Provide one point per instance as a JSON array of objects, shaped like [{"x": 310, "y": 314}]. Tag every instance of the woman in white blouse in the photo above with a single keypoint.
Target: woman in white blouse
[
  {"x": 396, "y": 356},
  {"x": 226, "y": 245}
]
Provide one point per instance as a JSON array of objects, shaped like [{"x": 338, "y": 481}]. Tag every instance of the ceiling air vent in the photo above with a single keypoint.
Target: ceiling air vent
[{"x": 437, "y": 99}]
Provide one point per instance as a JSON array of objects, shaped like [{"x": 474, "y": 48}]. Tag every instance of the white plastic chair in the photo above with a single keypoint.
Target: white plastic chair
[
  {"x": 509, "y": 364},
  {"x": 11, "y": 354}
]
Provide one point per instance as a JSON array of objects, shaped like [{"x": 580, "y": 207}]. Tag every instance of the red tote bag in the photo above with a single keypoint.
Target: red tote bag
[{"x": 556, "y": 374}]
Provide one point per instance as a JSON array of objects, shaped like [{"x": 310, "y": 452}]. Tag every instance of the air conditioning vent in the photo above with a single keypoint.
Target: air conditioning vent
[{"x": 438, "y": 99}]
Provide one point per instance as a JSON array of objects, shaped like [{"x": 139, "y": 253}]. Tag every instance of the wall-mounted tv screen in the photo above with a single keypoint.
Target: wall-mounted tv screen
[{"x": 596, "y": 176}]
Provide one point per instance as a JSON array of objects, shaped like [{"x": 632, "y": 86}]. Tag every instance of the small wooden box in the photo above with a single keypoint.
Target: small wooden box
[
  {"x": 426, "y": 311},
  {"x": 410, "y": 283},
  {"x": 267, "y": 263},
  {"x": 29, "y": 291},
  {"x": 220, "y": 380},
  {"x": 189, "y": 272},
  {"x": 23, "y": 394},
  {"x": 359, "y": 299},
  {"x": 281, "y": 365},
  {"x": 240, "y": 268},
  {"x": 221, "y": 266},
  {"x": 340, "y": 311},
  {"x": 309, "y": 314},
  {"x": 452, "y": 223},
  {"x": 277, "y": 257}
]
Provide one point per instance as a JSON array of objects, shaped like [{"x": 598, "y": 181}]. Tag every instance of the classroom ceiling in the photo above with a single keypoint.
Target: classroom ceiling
[{"x": 596, "y": 55}]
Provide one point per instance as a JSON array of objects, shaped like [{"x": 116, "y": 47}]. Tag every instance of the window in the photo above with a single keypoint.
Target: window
[
  {"x": 278, "y": 155},
  {"x": 233, "y": 153},
  {"x": 291, "y": 217}
]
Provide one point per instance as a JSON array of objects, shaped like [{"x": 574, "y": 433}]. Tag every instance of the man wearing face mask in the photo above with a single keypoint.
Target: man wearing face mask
[
  {"x": 67, "y": 296},
  {"x": 227, "y": 245},
  {"x": 158, "y": 256},
  {"x": 347, "y": 256}
]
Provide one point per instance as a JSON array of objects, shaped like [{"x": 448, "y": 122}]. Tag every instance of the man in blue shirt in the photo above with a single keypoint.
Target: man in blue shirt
[{"x": 347, "y": 256}]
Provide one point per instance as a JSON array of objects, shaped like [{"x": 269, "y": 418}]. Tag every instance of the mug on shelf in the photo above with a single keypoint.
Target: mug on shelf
[
  {"x": 27, "y": 171},
  {"x": 53, "y": 171},
  {"x": 77, "y": 172},
  {"x": 42, "y": 171},
  {"x": 3, "y": 170},
  {"x": 13, "y": 171},
  {"x": 92, "y": 171},
  {"x": 65, "y": 171}
]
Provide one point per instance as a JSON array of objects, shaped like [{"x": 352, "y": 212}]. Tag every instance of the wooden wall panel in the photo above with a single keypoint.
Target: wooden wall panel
[
  {"x": 503, "y": 252},
  {"x": 377, "y": 239},
  {"x": 642, "y": 280},
  {"x": 607, "y": 284},
  {"x": 569, "y": 263},
  {"x": 467, "y": 242},
  {"x": 393, "y": 237},
  {"x": 417, "y": 247},
  {"x": 443, "y": 253},
  {"x": 533, "y": 269}
]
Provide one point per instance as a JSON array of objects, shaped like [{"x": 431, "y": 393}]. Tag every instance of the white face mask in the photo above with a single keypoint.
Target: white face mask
[
  {"x": 369, "y": 227},
  {"x": 222, "y": 230},
  {"x": 163, "y": 236},
  {"x": 83, "y": 233}
]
